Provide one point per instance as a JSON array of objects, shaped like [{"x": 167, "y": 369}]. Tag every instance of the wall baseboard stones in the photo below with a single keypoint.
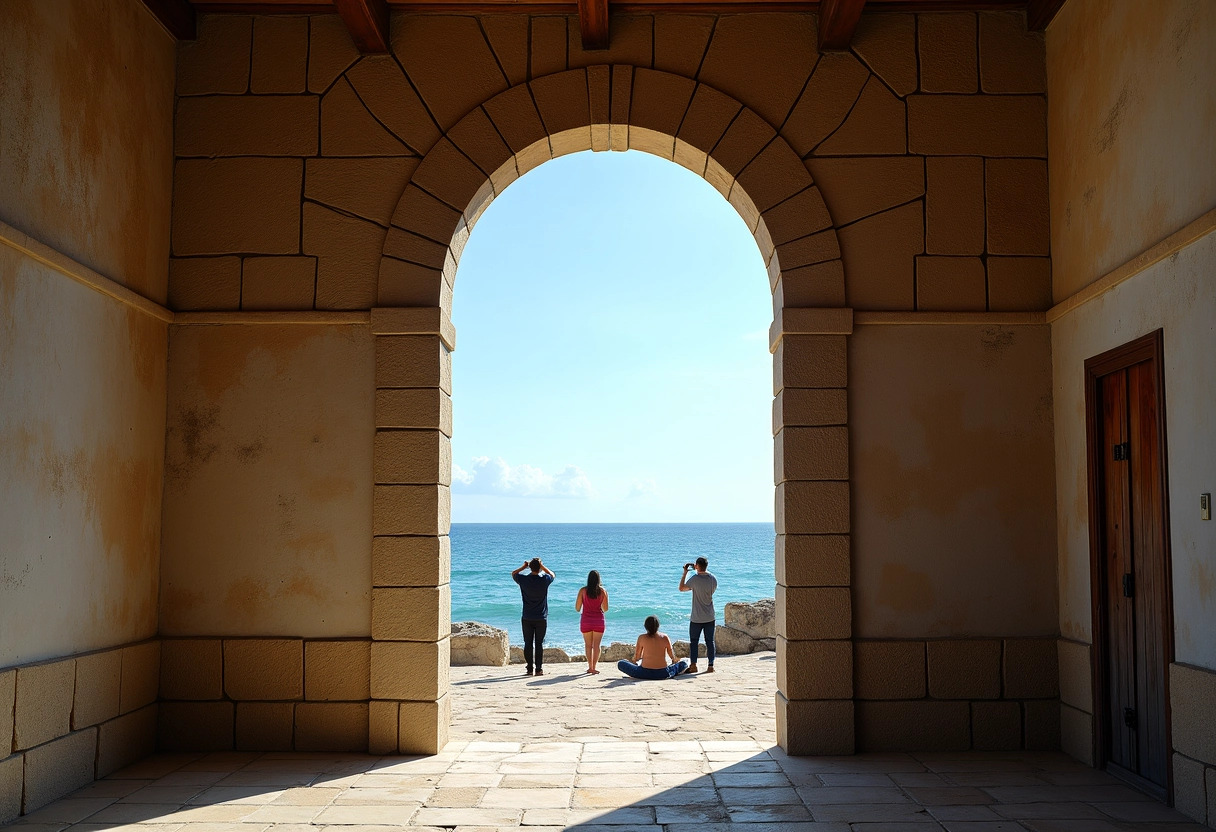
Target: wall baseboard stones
[
  {"x": 67, "y": 722},
  {"x": 1193, "y": 736}
]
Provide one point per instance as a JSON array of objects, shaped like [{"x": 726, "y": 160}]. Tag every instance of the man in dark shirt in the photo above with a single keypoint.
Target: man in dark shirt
[{"x": 534, "y": 587}]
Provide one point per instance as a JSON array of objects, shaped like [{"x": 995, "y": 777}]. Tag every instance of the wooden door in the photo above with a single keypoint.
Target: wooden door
[{"x": 1129, "y": 547}]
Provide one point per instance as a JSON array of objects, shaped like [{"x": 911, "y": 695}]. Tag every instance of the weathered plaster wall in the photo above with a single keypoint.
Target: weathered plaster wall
[
  {"x": 82, "y": 417},
  {"x": 1131, "y": 109},
  {"x": 268, "y": 481},
  {"x": 953, "y": 509},
  {"x": 86, "y": 134}
]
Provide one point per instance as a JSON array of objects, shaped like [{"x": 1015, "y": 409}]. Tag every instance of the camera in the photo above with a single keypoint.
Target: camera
[{"x": 688, "y": 565}]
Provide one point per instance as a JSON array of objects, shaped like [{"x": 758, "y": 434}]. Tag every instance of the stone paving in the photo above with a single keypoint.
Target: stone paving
[{"x": 602, "y": 754}]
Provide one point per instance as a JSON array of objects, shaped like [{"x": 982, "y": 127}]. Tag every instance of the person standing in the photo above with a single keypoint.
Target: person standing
[
  {"x": 702, "y": 585},
  {"x": 534, "y": 587},
  {"x": 592, "y": 602}
]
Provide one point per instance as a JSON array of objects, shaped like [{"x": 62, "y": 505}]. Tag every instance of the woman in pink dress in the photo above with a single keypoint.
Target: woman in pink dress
[{"x": 592, "y": 602}]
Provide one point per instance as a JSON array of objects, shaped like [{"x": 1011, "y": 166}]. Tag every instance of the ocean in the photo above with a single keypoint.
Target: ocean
[{"x": 639, "y": 563}]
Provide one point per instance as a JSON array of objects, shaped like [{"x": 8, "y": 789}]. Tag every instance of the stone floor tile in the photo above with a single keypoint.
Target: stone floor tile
[
  {"x": 853, "y": 778},
  {"x": 697, "y": 813},
  {"x": 383, "y": 797},
  {"x": 983, "y": 826},
  {"x": 804, "y": 826},
  {"x": 112, "y": 788},
  {"x": 191, "y": 778},
  {"x": 219, "y": 813},
  {"x": 216, "y": 795},
  {"x": 1141, "y": 811},
  {"x": 852, "y": 794},
  {"x": 757, "y": 796},
  {"x": 778, "y": 813},
  {"x": 458, "y": 798},
  {"x": 313, "y": 796},
  {"x": 1053, "y": 811},
  {"x": 527, "y": 798},
  {"x": 70, "y": 810},
  {"x": 163, "y": 794},
  {"x": 484, "y": 780},
  {"x": 963, "y": 813},
  {"x": 366, "y": 815},
  {"x": 1071, "y": 825},
  {"x": 283, "y": 813},
  {"x": 118, "y": 813},
  {"x": 622, "y": 816},
  {"x": 947, "y": 795},
  {"x": 1047, "y": 794},
  {"x": 871, "y": 812},
  {"x": 397, "y": 781},
  {"x": 672, "y": 780}
]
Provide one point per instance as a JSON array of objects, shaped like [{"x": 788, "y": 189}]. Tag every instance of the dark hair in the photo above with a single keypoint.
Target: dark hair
[
  {"x": 702, "y": 563},
  {"x": 593, "y": 584},
  {"x": 651, "y": 624},
  {"x": 534, "y": 564}
]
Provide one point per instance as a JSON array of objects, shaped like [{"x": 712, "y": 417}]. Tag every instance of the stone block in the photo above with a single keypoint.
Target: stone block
[
  {"x": 126, "y": 740},
  {"x": 367, "y": 188},
  {"x": 247, "y": 125},
  {"x": 996, "y": 726},
  {"x": 964, "y": 669},
  {"x": 330, "y": 51},
  {"x": 1210, "y": 778},
  {"x": 43, "y": 709},
  {"x": 1076, "y": 674},
  {"x": 337, "y": 670},
  {"x": 12, "y": 775},
  {"x": 814, "y": 361},
  {"x": 348, "y": 252},
  {"x": 802, "y": 214},
  {"x": 264, "y": 668},
  {"x": 1190, "y": 796},
  {"x": 411, "y": 613},
  {"x": 452, "y": 80},
  {"x": 819, "y": 285},
  {"x": 411, "y": 561},
  {"x": 280, "y": 55},
  {"x": 411, "y": 670},
  {"x": 1012, "y": 60},
  {"x": 918, "y": 725},
  {"x": 889, "y": 669},
  {"x": 140, "y": 676},
  {"x": 331, "y": 726},
  {"x": 1077, "y": 734},
  {"x": 879, "y": 254},
  {"x": 951, "y": 284},
  {"x": 1192, "y": 711},
  {"x": 382, "y": 720},
  {"x": 814, "y": 613},
  {"x": 977, "y": 125},
  {"x": 412, "y": 457},
  {"x": 680, "y": 42},
  {"x": 947, "y": 52},
  {"x": 413, "y": 361},
  {"x": 98, "y": 683},
  {"x": 549, "y": 45},
  {"x": 409, "y": 284},
  {"x": 815, "y": 727},
  {"x": 423, "y": 726},
  {"x": 1031, "y": 669},
  {"x": 815, "y": 669},
  {"x": 58, "y": 768},
  {"x": 1019, "y": 284},
  {"x": 830, "y": 93},
  {"x": 812, "y": 507},
  {"x": 660, "y": 100},
  {"x": 775, "y": 175},
  {"x": 812, "y": 560},
  {"x": 887, "y": 43},
  {"x": 264, "y": 726},
  {"x": 709, "y": 114},
  {"x": 411, "y": 510},
  {"x": 191, "y": 668},
  {"x": 747, "y": 135},
  {"x": 278, "y": 283},
  {"x": 195, "y": 726},
  {"x": 808, "y": 251},
  {"x": 807, "y": 407},
  {"x": 876, "y": 126},
  {"x": 242, "y": 205},
  {"x": 389, "y": 96},
  {"x": 349, "y": 129},
  {"x": 476, "y": 137},
  {"x": 204, "y": 283},
  {"x": 811, "y": 453},
  {"x": 1016, "y": 200},
  {"x": 954, "y": 205},
  {"x": 217, "y": 60},
  {"x": 423, "y": 407},
  {"x": 425, "y": 216},
  {"x": 8, "y": 688},
  {"x": 514, "y": 115},
  {"x": 860, "y": 187},
  {"x": 1041, "y": 718},
  {"x": 447, "y": 174}
]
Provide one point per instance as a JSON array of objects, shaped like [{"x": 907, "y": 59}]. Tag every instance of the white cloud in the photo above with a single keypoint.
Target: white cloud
[
  {"x": 496, "y": 476},
  {"x": 642, "y": 488}
]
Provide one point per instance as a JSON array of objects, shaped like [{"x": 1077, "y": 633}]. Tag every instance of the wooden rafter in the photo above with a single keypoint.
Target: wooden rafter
[
  {"x": 367, "y": 22},
  {"x": 837, "y": 23},
  {"x": 177, "y": 16},
  {"x": 593, "y": 23},
  {"x": 1040, "y": 12}
]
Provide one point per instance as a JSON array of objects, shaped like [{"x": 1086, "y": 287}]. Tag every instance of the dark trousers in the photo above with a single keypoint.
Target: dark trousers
[
  {"x": 534, "y": 633},
  {"x": 694, "y": 636}
]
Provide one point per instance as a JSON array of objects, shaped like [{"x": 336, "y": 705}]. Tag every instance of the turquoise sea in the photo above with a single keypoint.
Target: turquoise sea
[{"x": 640, "y": 564}]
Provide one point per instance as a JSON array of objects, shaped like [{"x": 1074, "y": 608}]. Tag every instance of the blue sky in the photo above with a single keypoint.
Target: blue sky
[{"x": 612, "y": 357}]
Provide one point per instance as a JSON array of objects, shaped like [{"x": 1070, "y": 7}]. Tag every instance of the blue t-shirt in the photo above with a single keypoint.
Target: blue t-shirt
[{"x": 535, "y": 592}]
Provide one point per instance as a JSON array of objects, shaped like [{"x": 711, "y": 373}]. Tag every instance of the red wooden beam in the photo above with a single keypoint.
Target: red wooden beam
[
  {"x": 593, "y": 23},
  {"x": 177, "y": 16},
  {"x": 837, "y": 23},
  {"x": 367, "y": 22},
  {"x": 1040, "y": 12}
]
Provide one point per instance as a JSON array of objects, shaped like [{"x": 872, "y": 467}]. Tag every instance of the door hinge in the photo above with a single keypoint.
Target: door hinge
[
  {"x": 1129, "y": 717},
  {"x": 1129, "y": 584},
  {"x": 1123, "y": 450}
]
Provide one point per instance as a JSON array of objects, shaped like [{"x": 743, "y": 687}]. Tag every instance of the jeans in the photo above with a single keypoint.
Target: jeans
[
  {"x": 534, "y": 633},
  {"x": 694, "y": 636},
  {"x": 639, "y": 672}
]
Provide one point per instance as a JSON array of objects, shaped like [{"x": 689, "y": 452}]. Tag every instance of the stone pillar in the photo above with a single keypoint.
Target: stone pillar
[
  {"x": 411, "y": 553},
  {"x": 811, "y": 461}
]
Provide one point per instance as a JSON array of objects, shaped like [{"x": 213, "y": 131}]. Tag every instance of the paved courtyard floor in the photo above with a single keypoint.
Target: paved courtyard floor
[{"x": 602, "y": 754}]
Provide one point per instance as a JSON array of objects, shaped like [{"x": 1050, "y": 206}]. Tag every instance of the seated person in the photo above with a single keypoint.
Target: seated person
[{"x": 650, "y": 655}]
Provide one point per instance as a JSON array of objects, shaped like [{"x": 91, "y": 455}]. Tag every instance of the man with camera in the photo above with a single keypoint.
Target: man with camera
[
  {"x": 534, "y": 587},
  {"x": 702, "y": 585}
]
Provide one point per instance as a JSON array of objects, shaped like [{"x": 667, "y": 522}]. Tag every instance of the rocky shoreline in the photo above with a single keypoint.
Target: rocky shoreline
[{"x": 748, "y": 627}]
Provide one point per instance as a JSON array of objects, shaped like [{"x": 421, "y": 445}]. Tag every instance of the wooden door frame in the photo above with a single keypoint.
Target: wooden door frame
[{"x": 1150, "y": 347}]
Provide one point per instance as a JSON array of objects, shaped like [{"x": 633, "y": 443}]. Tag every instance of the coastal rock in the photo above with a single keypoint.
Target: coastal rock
[
  {"x": 731, "y": 642},
  {"x": 763, "y": 645},
  {"x": 517, "y": 655},
  {"x": 682, "y": 648},
  {"x": 474, "y": 643},
  {"x": 616, "y": 651},
  {"x": 757, "y": 619},
  {"x": 553, "y": 655}
]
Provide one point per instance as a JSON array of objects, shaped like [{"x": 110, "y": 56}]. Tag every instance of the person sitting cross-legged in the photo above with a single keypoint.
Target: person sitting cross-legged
[{"x": 650, "y": 655}]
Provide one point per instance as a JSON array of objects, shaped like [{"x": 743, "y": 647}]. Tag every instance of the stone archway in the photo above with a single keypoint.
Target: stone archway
[{"x": 609, "y": 108}]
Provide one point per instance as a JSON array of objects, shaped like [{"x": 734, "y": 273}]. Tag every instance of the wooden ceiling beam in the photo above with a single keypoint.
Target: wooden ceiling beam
[
  {"x": 367, "y": 22},
  {"x": 177, "y": 16},
  {"x": 837, "y": 23},
  {"x": 1039, "y": 13},
  {"x": 593, "y": 23}
]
